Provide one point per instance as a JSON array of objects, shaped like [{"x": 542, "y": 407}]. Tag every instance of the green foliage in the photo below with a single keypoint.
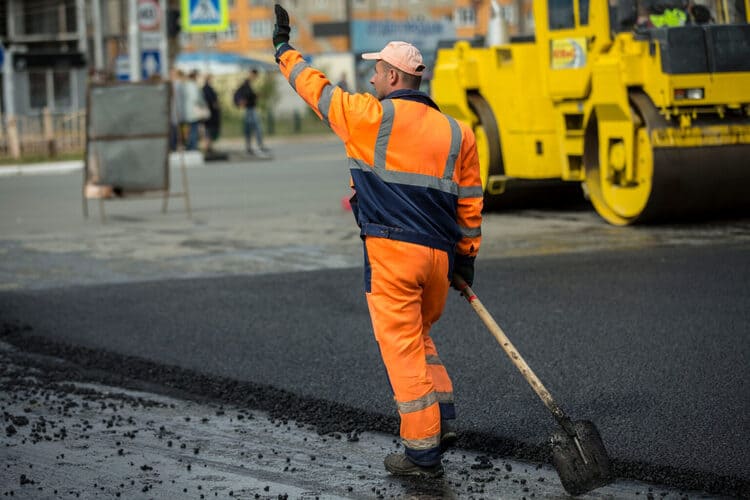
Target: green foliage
[
  {"x": 265, "y": 87},
  {"x": 285, "y": 125},
  {"x": 39, "y": 158}
]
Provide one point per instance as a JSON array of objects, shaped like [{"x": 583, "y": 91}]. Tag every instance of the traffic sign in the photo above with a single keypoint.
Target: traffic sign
[
  {"x": 149, "y": 15},
  {"x": 150, "y": 63},
  {"x": 122, "y": 68},
  {"x": 151, "y": 40},
  {"x": 205, "y": 15}
]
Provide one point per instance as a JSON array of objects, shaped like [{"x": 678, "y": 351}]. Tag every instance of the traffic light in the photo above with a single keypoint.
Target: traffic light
[{"x": 173, "y": 22}]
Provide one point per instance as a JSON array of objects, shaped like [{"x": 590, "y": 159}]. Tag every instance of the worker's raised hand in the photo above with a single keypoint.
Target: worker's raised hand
[{"x": 281, "y": 29}]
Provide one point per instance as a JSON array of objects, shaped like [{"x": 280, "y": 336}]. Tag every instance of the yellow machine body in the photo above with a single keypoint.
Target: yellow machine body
[{"x": 654, "y": 122}]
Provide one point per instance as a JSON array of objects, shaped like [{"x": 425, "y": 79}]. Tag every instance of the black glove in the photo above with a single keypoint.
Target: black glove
[
  {"x": 281, "y": 29},
  {"x": 463, "y": 266}
]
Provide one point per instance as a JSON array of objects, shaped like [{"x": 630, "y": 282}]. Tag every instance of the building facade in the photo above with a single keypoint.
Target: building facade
[
  {"x": 324, "y": 29},
  {"x": 49, "y": 47},
  {"x": 325, "y": 26},
  {"x": 44, "y": 55}
]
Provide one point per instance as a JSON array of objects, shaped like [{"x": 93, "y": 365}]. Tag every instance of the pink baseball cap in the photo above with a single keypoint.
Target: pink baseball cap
[{"x": 401, "y": 55}]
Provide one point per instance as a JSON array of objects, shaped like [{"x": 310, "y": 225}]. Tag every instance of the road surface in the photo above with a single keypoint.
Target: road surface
[{"x": 255, "y": 303}]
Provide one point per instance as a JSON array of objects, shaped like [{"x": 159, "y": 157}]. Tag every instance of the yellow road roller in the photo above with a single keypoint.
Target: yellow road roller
[{"x": 644, "y": 104}]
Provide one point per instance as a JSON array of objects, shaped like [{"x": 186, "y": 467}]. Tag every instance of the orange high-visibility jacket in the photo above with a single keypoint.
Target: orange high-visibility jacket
[{"x": 411, "y": 183}]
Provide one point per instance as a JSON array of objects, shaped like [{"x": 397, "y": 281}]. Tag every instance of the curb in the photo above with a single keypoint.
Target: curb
[
  {"x": 61, "y": 167},
  {"x": 192, "y": 159}
]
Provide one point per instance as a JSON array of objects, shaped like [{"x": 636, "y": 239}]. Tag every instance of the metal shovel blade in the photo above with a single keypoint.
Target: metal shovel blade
[{"x": 581, "y": 461}]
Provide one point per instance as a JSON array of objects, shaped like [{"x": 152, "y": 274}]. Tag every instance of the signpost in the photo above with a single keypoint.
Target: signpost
[
  {"x": 147, "y": 42},
  {"x": 204, "y": 15}
]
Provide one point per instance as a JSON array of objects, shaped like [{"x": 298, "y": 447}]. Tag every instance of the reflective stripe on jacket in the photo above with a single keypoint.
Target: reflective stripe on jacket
[{"x": 412, "y": 185}]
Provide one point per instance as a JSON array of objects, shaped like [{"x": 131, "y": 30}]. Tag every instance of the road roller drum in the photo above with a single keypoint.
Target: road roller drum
[{"x": 648, "y": 113}]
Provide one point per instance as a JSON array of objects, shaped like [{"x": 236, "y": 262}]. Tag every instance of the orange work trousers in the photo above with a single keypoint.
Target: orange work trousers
[{"x": 407, "y": 287}]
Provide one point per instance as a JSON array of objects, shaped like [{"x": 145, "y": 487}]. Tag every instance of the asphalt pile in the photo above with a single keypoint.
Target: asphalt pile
[{"x": 79, "y": 422}]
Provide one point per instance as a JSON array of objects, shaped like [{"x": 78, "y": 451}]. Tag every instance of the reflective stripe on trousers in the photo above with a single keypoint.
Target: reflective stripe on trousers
[{"x": 408, "y": 289}]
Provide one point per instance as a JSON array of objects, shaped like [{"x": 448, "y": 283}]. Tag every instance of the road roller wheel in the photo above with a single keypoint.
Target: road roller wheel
[
  {"x": 618, "y": 188},
  {"x": 664, "y": 183},
  {"x": 487, "y": 136}
]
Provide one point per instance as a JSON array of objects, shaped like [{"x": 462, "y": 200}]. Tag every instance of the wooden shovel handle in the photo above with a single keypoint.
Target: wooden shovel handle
[{"x": 511, "y": 351}]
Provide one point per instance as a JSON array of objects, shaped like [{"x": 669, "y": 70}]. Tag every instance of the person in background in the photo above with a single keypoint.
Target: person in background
[
  {"x": 246, "y": 98},
  {"x": 195, "y": 110},
  {"x": 176, "y": 118},
  {"x": 418, "y": 203},
  {"x": 213, "y": 123},
  {"x": 667, "y": 13}
]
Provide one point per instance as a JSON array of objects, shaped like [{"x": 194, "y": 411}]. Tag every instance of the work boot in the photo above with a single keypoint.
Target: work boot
[
  {"x": 399, "y": 464},
  {"x": 448, "y": 436}
]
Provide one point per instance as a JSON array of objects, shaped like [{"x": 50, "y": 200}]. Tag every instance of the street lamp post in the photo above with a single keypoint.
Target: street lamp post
[{"x": 134, "y": 42}]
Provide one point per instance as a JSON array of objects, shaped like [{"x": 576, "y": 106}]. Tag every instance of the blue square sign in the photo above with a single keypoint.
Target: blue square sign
[
  {"x": 150, "y": 63},
  {"x": 204, "y": 15}
]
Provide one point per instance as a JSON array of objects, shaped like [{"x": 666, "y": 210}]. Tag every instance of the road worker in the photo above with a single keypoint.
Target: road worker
[
  {"x": 667, "y": 14},
  {"x": 418, "y": 203}
]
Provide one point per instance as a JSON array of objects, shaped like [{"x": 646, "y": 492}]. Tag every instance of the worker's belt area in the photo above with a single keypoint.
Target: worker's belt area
[{"x": 395, "y": 233}]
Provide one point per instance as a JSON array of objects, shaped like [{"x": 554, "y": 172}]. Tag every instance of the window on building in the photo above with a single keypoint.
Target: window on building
[
  {"x": 62, "y": 89},
  {"x": 50, "y": 88},
  {"x": 210, "y": 39},
  {"x": 45, "y": 17},
  {"x": 261, "y": 28},
  {"x": 37, "y": 89},
  {"x": 464, "y": 17},
  {"x": 385, "y": 3},
  {"x": 229, "y": 34},
  {"x": 561, "y": 14}
]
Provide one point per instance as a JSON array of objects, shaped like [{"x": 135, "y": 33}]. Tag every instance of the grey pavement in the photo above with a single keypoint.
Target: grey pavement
[{"x": 191, "y": 159}]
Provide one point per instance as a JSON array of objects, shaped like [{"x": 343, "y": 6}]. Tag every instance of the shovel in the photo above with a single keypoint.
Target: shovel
[{"x": 578, "y": 453}]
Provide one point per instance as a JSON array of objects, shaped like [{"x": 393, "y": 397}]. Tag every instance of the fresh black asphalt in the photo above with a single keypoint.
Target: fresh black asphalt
[{"x": 651, "y": 345}]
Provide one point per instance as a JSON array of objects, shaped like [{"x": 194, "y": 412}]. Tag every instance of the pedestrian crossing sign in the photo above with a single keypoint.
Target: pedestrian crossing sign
[{"x": 204, "y": 15}]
